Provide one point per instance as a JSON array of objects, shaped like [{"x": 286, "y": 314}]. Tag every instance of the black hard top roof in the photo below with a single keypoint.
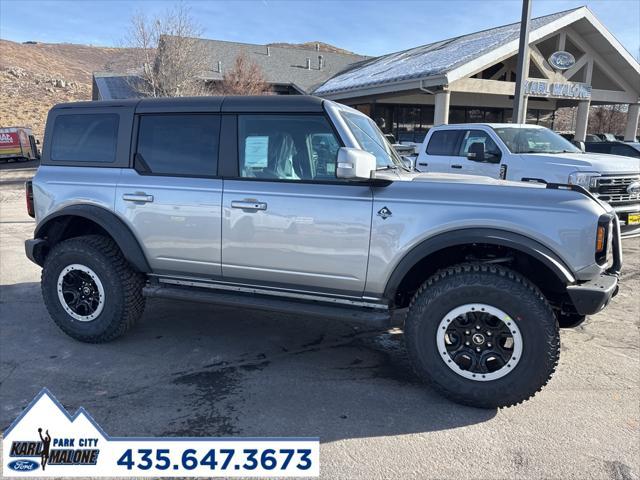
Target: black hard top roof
[{"x": 231, "y": 104}]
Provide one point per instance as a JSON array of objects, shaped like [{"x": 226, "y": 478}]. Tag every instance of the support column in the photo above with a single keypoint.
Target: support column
[
  {"x": 441, "y": 114},
  {"x": 582, "y": 120},
  {"x": 525, "y": 106},
  {"x": 632, "y": 122}
]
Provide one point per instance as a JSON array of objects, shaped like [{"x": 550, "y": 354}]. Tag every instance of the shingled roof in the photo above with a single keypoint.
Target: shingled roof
[
  {"x": 280, "y": 65},
  {"x": 430, "y": 60}
]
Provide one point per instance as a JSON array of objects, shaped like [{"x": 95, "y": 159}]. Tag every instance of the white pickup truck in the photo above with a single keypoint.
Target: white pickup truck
[{"x": 532, "y": 153}]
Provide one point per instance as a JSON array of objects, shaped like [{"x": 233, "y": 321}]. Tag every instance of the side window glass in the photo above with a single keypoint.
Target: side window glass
[
  {"x": 287, "y": 147},
  {"x": 324, "y": 152},
  {"x": 180, "y": 144},
  {"x": 477, "y": 136},
  {"x": 443, "y": 142},
  {"x": 85, "y": 138},
  {"x": 624, "y": 150}
]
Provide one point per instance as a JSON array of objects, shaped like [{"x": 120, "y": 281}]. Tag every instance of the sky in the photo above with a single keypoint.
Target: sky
[{"x": 365, "y": 27}]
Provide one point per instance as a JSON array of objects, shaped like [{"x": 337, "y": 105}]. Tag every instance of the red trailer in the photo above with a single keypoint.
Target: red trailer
[{"x": 18, "y": 143}]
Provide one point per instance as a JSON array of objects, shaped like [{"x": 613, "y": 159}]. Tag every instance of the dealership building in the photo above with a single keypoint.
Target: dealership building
[{"x": 574, "y": 62}]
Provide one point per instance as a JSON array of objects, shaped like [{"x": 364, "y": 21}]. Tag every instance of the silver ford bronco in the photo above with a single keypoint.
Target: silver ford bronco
[{"x": 300, "y": 204}]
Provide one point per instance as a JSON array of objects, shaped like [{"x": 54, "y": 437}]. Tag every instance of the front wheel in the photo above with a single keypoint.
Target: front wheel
[{"x": 483, "y": 335}]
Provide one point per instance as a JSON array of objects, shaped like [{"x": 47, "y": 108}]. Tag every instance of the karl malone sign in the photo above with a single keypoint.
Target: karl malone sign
[{"x": 543, "y": 88}]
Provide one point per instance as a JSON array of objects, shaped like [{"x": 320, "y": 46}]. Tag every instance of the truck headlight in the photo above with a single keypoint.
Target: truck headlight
[{"x": 584, "y": 179}]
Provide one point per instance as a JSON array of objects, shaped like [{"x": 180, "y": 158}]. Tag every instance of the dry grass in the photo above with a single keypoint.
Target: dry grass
[{"x": 33, "y": 78}]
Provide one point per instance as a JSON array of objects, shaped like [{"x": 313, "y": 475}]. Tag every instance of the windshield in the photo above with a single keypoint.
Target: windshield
[
  {"x": 371, "y": 139},
  {"x": 534, "y": 140}
]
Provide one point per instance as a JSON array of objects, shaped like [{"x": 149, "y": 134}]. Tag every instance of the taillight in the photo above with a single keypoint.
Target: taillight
[{"x": 28, "y": 189}]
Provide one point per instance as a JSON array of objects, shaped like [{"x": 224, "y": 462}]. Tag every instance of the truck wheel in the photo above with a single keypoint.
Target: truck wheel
[
  {"x": 483, "y": 335},
  {"x": 90, "y": 290}
]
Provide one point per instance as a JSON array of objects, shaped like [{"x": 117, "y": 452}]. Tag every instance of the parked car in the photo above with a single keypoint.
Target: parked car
[
  {"x": 626, "y": 149},
  {"x": 606, "y": 137},
  {"x": 402, "y": 149},
  {"x": 588, "y": 137},
  {"x": 533, "y": 153},
  {"x": 18, "y": 143},
  {"x": 299, "y": 204},
  {"x": 621, "y": 138}
]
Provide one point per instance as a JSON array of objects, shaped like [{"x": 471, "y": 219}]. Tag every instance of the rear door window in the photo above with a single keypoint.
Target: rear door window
[
  {"x": 179, "y": 144},
  {"x": 443, "y": 142},
  {"x": 85, "y": 138}
]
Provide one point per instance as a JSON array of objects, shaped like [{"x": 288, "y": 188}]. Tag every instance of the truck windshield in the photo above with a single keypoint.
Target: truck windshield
[
  {"x": 534, "y": 140},
  {"x": 371, "y": 139}
]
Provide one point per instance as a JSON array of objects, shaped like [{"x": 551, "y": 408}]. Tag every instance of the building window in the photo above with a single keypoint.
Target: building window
[
  {"x": 457, "y": 115},
  {"x": 545, "y": 118},
  {"x": 383, "y": 116},
  {"x": 493, "y": 115},
  {"x": 364, "y": 108}
]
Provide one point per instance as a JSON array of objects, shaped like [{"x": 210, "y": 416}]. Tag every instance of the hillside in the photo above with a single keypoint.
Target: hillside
[
  {"x": 322, "y": 47},
  {"x": 34, "y": 77}
]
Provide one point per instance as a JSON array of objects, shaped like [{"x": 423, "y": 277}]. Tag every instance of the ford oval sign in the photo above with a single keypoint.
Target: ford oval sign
[
  {"x": 562, "y": 60},
  {"x": 23, "y": 465}
]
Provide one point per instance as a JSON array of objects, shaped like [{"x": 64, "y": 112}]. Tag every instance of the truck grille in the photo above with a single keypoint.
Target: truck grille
[{"x": 613, "y": 190}]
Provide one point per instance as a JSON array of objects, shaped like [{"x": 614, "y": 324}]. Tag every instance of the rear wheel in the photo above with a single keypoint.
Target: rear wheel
[
  {"x": 483, "y": 335},
  {"x": 90, "y": 290}
]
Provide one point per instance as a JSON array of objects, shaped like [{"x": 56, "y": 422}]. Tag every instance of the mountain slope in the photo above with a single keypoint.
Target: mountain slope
[{"x": 34, "y": 77}]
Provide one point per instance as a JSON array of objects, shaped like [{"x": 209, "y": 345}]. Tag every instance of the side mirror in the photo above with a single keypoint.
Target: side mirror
[
  {"x": 409, "y": 161},
  {"x": 476, "y": 152},
  {"x": 355, "y": 164}
]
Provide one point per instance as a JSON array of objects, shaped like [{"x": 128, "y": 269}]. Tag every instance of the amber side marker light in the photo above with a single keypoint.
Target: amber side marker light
[{"x": 600, "y": 238}]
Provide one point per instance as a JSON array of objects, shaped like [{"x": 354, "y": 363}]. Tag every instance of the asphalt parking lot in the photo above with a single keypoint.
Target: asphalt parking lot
[{"x": 201, "y": 370}]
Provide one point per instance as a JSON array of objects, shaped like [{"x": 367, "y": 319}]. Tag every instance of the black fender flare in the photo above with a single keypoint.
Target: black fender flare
[
  {"x": 108, "y": 221},
  {"x": 468, "y": 236}
]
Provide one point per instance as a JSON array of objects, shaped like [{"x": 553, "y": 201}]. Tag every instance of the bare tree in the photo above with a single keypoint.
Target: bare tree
[
  {"x": 608, "y": 119},
  {"x": 168, "y": 53},
  {"x": 245, "y": 78}
]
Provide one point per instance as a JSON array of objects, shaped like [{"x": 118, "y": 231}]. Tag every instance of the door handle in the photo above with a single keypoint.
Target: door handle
[
  {"x": 423, "y": 164},
  {"x": 137, "y": 197},
  {"x": 456, "y": 166},
  {"x": 248, "y": 205}
]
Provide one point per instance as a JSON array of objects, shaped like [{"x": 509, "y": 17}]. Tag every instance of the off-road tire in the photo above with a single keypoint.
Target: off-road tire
[
  {"x": 502, "y": 288},
  {"x": 124, "y": 302}
]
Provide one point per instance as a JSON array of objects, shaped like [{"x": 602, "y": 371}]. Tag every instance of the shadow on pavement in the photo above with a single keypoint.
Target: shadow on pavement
[{"x": 201, "y": 370}]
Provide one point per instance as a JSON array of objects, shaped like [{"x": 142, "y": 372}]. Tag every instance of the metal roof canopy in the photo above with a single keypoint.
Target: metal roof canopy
[{"x": 444, "y": 62}]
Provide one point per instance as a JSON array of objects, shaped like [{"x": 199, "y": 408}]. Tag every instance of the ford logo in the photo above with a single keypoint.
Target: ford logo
[
  {"x": 23, "y": 465},
  {"x": 562, "y": 60},
  {"x": 634, "y": 188}
]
